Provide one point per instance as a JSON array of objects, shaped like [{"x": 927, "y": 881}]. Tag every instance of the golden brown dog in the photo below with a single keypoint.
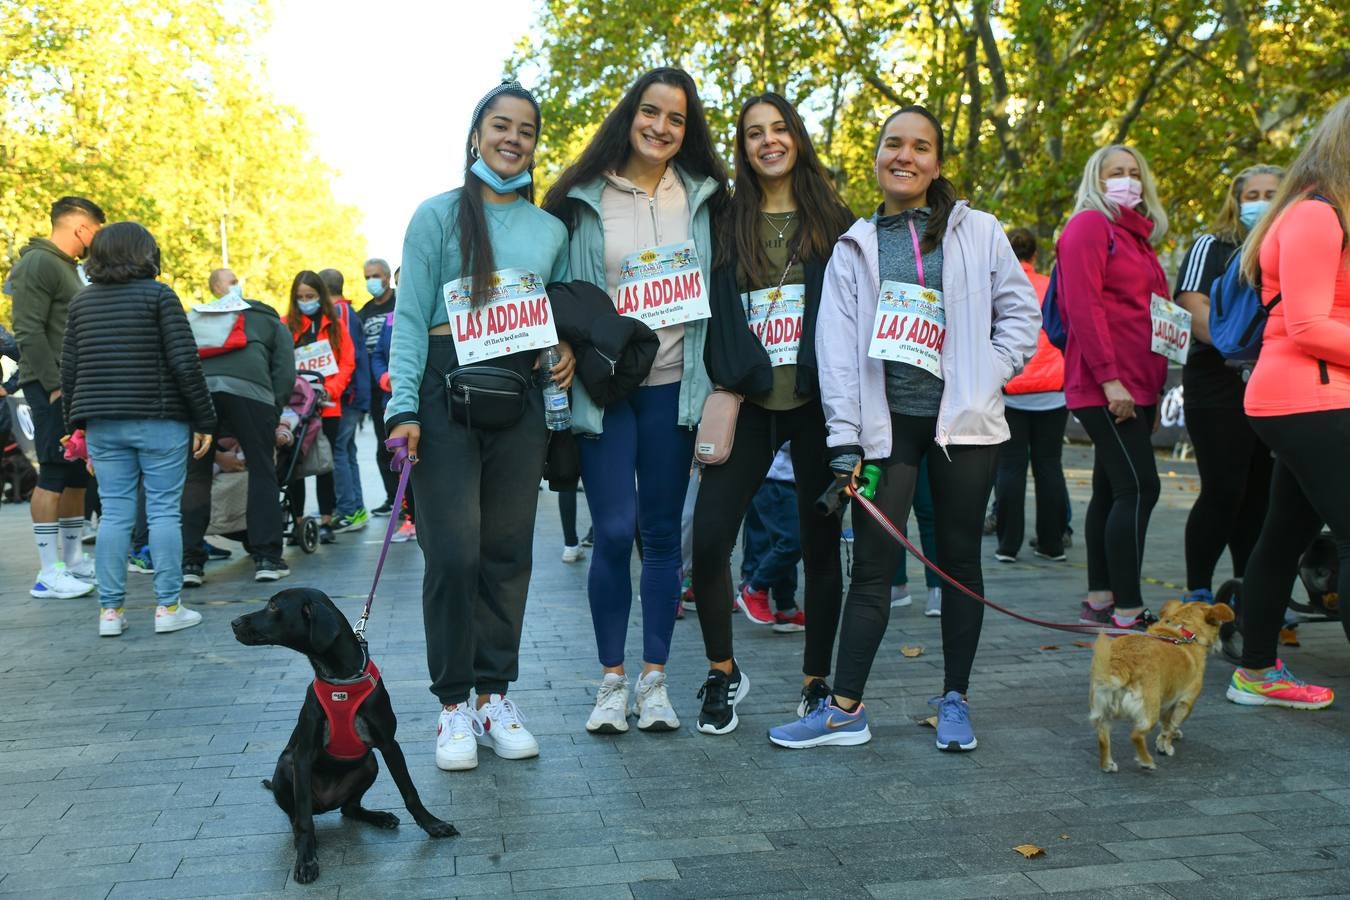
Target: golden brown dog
[{"x": 1149, "y": 681}]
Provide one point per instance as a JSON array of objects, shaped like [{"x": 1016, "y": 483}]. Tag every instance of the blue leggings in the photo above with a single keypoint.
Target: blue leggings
[{"x": 636, "y": 474}]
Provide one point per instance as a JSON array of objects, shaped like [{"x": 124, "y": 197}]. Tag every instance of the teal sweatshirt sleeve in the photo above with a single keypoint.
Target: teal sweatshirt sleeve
[
  {"x": 562, "y": 262},
  {"x": 418, "y": 293}
]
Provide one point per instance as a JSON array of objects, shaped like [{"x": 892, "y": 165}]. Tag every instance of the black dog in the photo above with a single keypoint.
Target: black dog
[
  {"x": 18, "y": 478},
  {"x": 327, "y": 764}
]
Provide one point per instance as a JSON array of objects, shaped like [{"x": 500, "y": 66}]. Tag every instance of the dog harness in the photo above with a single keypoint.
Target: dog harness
[{"x": 340, "y": 701}]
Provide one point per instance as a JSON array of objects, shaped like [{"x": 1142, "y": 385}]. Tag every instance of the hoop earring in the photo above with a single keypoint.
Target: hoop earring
[{"x": 473, "y": 152}]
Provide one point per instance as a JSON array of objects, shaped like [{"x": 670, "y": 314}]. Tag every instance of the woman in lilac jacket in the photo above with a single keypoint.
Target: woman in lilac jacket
[{"x": 924, "y": 316}]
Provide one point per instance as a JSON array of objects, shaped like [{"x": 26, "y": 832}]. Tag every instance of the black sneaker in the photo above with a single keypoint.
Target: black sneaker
[
  {"x": 326, "y": 535},
  {"x": 270, "y": 570},
  {"x": 193, "y": 576},
  {"x": 214, "y": 553},
  {"x": 720, "y": 694},
  {"x": 589, "y": 539},
  {"x": 384, "y": 509},
  {"x": 812, "y": 694}
]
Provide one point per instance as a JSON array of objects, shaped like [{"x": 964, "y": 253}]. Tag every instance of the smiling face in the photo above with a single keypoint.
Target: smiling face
[
  {"x": 768, "y": 142},
  {"x": 907, "y": 161},
  {"x": 657, "y": 132},
  {"x": 506, "y": 136}
]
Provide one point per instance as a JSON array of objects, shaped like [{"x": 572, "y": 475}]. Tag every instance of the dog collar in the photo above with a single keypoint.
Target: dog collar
[{"x": 340, "y": 700}]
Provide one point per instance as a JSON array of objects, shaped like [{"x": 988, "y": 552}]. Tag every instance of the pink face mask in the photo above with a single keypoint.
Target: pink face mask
[{"x": 1125, "y": 192}]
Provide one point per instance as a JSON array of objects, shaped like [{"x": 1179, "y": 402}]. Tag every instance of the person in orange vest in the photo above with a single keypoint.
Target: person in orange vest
[{"x": 1034, "y": 406}]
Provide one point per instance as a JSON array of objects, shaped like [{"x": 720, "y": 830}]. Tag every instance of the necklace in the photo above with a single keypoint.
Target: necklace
[{"x": 787, "y": 220}]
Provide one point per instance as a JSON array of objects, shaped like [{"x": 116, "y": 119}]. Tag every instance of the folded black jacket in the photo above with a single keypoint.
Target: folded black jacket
[
  {"x": 735, "y": 358},
  {"x": 614, "y": 353},
  {"x": 129, "y": 354}
]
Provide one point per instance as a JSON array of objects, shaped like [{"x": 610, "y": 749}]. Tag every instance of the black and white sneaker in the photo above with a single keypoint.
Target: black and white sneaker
[
  {"x": 270, "y": 570},
  {"x": 812, "y": 694},
  {"x": 193, "y": 576},
  {"x": 720, "y": 694}
]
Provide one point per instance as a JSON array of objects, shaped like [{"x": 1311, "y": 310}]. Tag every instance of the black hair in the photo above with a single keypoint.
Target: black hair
[
  {"x": 609, "y": 149},
  {"x": 822, "y": 215},
  {"x": 67, "y": 205},
  {"x": 476, "y": 259},
  {"x": 332, "y": 278},
  {"x": 941, "y": 193},
  {"x": 326, "y": 307},
  {"x": 1023, "y": 243},
  {"x": 122, "y": 252}
]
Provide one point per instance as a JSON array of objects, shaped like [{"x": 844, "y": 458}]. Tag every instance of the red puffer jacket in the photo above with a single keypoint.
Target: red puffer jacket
[{"x": 1045, "y": 370}]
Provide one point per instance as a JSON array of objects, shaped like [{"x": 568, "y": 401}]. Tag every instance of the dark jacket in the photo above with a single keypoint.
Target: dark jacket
[
  {"x": 614, "y": 353},
  {"x": 267, "y": 360},
  {"x": 129, "y": 354},
  {"x": 357, "y": 395},
  {"x": 735, "y": 358},
  {"x": 43, "y": 281}
]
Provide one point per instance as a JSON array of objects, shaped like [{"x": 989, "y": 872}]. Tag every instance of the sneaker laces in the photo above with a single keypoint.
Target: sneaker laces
[
  {"x": 1280, "y": 673},
  {"x": 952, "y": 712},
  {"x": 653, "y": 692},
  {"x": 457, "y": 717},
  {"x": 610, "y": 694},
  {"x": 505, "y": 712},
  {"x": 715, "y": 688}
]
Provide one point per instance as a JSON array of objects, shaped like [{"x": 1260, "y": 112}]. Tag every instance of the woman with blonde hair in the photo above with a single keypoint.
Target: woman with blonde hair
[
  {"x": 1234, "y": 465},
  {"x": 1108, "y": 275},
  {"x": 1298, "y": 399}
]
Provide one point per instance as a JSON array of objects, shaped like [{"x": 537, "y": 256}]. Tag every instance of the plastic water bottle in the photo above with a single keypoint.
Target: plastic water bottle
[{"x": 557, "y": 408}]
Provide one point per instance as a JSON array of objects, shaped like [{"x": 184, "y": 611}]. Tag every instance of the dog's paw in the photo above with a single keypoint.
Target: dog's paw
[
  {"x": 1148, "y": 765},
  {"x": 438, "y": 829},
  {"x": 1111, "y": 767},
  {"x": 1176, "y": 734},
  {"x": 1165, "y": 747},
  {"x": 306, "y": 870},
  {"x": 381, "y": 819}
]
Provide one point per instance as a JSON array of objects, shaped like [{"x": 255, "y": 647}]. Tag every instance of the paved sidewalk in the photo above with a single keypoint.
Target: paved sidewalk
[{"x": 129, "y": 767}]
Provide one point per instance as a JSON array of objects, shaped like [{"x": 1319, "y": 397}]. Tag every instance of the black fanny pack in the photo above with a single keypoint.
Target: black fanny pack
[{"x": 486, "y": 397}]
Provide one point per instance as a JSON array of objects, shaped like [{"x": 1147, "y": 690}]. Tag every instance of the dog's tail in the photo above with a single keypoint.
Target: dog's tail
[{"x": 1107, "y": 683}]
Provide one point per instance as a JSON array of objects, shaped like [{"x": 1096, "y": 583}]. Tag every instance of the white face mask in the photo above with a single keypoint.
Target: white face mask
[
  {"x": 236, "y": 291},
  {"x": 1124, "y": 192}
]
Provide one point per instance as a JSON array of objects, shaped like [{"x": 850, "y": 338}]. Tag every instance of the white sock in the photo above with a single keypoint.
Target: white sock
[
  {"x": 72, "y": 530},
  {"x": 47, "y": 536}
]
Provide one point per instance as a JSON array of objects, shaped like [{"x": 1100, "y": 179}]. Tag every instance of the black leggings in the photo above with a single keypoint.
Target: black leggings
[
  {"x": 1125, "y": 489},
  {"x": 961, "y": 478},
  {"x": 725, "y": 493},
  {"x": 1235, "y": 471},
  {"x": 567, "y": 511},
  {"x": 1040, "y": 436},
  {"x": 1310, "y": 486},
  {"x": 324, "y": 483}
]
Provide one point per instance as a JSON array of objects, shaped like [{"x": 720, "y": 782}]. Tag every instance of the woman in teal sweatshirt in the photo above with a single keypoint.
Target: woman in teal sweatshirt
[
  {"x": 479, "y": 250},
  {"x": 639, "y": 203}
]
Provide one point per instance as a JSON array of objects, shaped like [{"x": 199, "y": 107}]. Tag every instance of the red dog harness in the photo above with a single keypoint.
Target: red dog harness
[{"x": 340, "y": 701}]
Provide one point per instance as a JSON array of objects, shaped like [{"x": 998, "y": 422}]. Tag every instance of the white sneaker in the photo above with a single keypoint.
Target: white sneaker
[
  {"x": 654, "y": 711},
  {"x": 175, "y": 618},
  {"x": 934, "y": 607},
  {"x": 900, "y": 596},
  {"x": 89, "y": 533},
  {"x": 572, "y": 554},
  {"x": 83, "y": 568},
  {"x": 56, "y": 583},
  {"x": 504, "y": 729},
  {"x": 610, "y": 715},
  {"x": 456, "y": 744},
  {"x": 111, "y": 622}
]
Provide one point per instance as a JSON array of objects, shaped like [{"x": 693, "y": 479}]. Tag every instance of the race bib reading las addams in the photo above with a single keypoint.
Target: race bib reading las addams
[
  {"x": 1171, "y": 329},
  {"x": 516, "y": 316},
  {"x": 316, "y": 357},
  {"x": 910, "y": 326},
  {"x": 662, "y": 286},
  {"x": 775, "y": 317}
]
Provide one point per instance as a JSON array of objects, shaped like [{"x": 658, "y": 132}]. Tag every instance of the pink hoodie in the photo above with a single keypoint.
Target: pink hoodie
[{"x": 1104, "y": 295}]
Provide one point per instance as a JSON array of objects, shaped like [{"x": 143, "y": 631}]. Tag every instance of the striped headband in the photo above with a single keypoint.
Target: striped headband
[{"x": 514, "y": 87}]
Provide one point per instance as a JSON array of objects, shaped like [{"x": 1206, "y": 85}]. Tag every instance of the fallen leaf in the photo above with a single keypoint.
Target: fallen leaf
[
  {"x": 911, "y": 652},
  {"x": 1081, "y": 644},
  {"x": 931, "y": 722},
  {"x": 1064, "y": 837},
  {"x": 1030, "y": 850},
  {"x": 1289, "y": 637},
  {"x": 1049, "y": 646}
]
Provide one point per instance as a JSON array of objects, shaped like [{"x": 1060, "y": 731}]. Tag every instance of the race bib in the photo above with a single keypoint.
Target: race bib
[
  {"x": 775, "y": 317},
  {"x": 515, "y": 318},
  {"x": 662, "y": 286},
  {"x": 221, "y": 305},
  {"x": 910, "y": 326},
  {"x": 316, "y": 357},
  {"x": 1171, "y": 329}
]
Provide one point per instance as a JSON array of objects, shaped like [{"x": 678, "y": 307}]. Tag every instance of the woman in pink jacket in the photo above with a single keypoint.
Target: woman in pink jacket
[
  {"x": 1108, "y": 274},
  {"x": 1298, "y": 399},
  {"x": 924, "y": 315}
]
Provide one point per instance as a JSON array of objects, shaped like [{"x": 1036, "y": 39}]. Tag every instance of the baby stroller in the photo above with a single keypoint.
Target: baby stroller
[
  {"x": 1318, "y": 570},
  {"x": 308, "y": 453}
]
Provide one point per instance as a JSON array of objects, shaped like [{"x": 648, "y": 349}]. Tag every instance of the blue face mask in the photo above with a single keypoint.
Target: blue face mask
[
  {"x": 308, "y": 307},
  {"x": 1251, "y": 211},
  {"x": 236, "y": 292},
  {"x": 495, "y": 181},
  {"x": 375, "y": 286}
]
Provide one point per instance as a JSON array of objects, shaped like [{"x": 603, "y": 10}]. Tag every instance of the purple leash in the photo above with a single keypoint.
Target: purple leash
[{"x": 401, "y": 465}]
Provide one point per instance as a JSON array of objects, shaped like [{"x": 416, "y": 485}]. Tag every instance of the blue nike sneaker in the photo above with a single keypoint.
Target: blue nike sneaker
[
  {"x": 953, "y": 727},
  {"x": 825, "y": 724}
]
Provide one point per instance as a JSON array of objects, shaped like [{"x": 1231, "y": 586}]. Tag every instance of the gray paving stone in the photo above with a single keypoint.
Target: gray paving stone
[
  {"x": 579, "y": 876},
  {"x": 1188, "y": 845},
  {"x": 1197, "y": 825},
  {"x": 240, "y": 881},
  {"x": 561, "y": 857},
  {"x": 1086, "y": 878},
  {"x": 1013, "y": 884}
]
